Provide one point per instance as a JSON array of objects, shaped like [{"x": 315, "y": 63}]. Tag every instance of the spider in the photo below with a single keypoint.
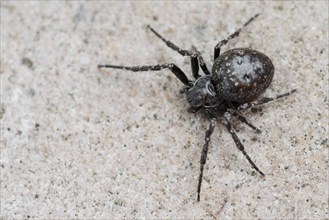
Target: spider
[{"x": 237, "y": 79}]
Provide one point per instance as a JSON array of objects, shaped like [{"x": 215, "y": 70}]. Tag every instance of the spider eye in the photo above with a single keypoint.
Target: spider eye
[{"x": 210, "y": 89}]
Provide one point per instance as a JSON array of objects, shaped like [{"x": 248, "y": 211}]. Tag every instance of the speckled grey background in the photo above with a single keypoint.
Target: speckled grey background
[{"x": 77, "y": 142}]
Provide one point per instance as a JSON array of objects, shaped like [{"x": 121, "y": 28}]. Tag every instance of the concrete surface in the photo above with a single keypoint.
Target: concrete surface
[{"x": 81, "y": 143}]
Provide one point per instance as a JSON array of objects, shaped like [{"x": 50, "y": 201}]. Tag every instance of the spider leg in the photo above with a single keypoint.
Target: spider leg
[
  {"x": 242, "y": 118},
  {"x": 172, "y": 67},
  {"x": 238, "y": 142},
  {"x": 235, "y": 34},
  {"x": 195, "y": 64},
  {"x": 205, "y": 152},
  {"x": 264, "y": 100},
  {"x": 196, "y": 57}
]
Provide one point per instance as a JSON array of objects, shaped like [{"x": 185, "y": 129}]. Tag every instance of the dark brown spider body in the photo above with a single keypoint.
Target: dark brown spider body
[{"x": 242, "y": 74}]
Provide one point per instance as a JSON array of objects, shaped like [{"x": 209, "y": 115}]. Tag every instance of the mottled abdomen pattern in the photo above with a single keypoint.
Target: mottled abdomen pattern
[{"x": 242, "y": 74}]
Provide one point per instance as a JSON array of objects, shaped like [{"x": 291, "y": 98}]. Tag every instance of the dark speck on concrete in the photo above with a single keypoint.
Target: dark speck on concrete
[
  {"x": 2, "y": 111},
  {"x": 36, "y": 126},
  {"x": 31, "y": 92},
  {"x": 27, "y": 62}
]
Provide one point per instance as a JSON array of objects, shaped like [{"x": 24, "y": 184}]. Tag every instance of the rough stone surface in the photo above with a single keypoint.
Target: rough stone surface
[{"x": 77, "y": 142}]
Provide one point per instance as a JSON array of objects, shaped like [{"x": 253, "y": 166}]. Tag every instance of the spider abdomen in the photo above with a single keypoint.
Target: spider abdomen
[{"x": 242, "y": 74}]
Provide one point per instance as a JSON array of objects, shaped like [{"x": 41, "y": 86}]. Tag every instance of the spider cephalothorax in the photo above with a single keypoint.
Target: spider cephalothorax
[
  {"x": 202, "y": 93},
  {"x": 237, "y": 79}
]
